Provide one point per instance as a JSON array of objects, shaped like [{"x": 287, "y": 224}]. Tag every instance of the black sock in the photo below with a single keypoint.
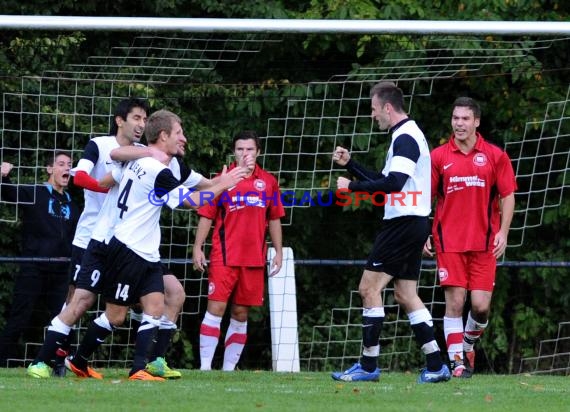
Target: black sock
[
  {"x": 163, "y": 340},
  {"x": 369, "y": 363},
  {"x": 93, "y": 338},
  {"x": 144, "y": 346},
  {"x": 424, "y": 334},
  {"x": 63, "y": 351},
  {"x": 371, "y": 329},
  {"x": 433, "y": 361},
  {"x": 53, "y": 341}
]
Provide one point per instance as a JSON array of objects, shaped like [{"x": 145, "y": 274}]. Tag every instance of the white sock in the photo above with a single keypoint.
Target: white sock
[
  {"x": 453, "y": 331},
  {"x": 473, "y": 331},
  {"x": 58, "y": 326},
  {"x": 209, "y": 336},
  {"x": 235, "y": 342}
]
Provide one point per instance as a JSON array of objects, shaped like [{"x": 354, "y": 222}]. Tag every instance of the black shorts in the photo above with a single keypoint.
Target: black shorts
[
  {"x": 75, "y": 265},
  {"x": 128, "y": 276},
  {"x": 166, "y": 270},
  {"x": 398, "y": 247},
  {"x": 91, "y": 273}
]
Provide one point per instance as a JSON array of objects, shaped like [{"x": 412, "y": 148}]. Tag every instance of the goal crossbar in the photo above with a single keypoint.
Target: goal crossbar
[{"x": 216, "y": 25}]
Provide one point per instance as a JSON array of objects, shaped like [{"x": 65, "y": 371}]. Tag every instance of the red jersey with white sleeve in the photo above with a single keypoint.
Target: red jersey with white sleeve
[
  {"x": 240, "y": 217},
  {"x": 468, "y": 188}
]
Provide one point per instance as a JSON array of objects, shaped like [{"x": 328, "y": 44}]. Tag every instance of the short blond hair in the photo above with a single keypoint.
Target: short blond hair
[{"x": 161, "y": 120}]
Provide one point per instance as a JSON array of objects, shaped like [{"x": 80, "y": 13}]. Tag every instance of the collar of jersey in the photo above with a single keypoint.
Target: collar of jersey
[
  {"x": 398, "y": 125},
  {"x": 49, "y": 187},
  {"x": 478, "y": 143}
]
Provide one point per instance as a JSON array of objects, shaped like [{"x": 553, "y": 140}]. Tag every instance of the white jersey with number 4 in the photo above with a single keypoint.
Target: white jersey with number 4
[
  {"x": 107, "y": 218},
  {"x": 146, "y": 185}
]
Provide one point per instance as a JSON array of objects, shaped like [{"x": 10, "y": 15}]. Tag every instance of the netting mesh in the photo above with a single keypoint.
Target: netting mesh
[
  {"x": 541, "y": 161},
  {"x": 553, "y": 354},
  {"x": 164, "y": 59}
]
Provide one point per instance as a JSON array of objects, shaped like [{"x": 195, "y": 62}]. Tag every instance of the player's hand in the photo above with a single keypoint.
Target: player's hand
[
  {"x": 6, "y": 168},
  {"x": 199, "y": 259},
  {"x": 247, "y": 162},
  {"x": 341, "y": 156},
  {"x": 276, "y": 264},
  {"x": 233, "y": 177},
  {"x": 427, "y": 248},
  {"x": 500, "y": 244},
  {"x": 342, "y": 183}
]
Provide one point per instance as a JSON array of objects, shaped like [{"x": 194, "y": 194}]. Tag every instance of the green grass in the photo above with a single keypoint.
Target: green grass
[{"x": 268, "y": 391}]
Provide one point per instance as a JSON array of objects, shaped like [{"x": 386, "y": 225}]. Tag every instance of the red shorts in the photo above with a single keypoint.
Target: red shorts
[
  {"x": 246, "y": 283},
  {"x": 469, "y": 270}
]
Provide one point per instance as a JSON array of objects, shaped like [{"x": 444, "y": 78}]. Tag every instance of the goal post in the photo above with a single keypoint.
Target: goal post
[
  {"x": 214, "y": 25},
  {"x": 282, "y": 291}
]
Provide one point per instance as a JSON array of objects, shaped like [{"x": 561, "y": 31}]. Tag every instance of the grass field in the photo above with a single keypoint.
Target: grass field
[{"x": 268, "y": 391}]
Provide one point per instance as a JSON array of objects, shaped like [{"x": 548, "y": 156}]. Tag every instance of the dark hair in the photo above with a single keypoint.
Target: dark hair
[
  {"x": 246, "y": 135},
  {"x": 470, "y": 104},
  {"x": 123, "y": 108},
  {"x": 161, "y": 120},
  {"x": 388, "y": 92},
  {"x": 50, "y": 160}
]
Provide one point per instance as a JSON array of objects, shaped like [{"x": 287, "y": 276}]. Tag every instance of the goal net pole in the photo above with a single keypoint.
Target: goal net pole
[
  {"x": 202, "y": 25},
  {"x": 282, "y": 292}
]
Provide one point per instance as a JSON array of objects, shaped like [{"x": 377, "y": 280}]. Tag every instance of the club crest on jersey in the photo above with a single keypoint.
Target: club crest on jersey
[
  {"x": 211, "y": 288},
  {"x": 480, "y": 159},
  {"x": 442, "y": 273},
  {"x": 259, "y": 184}
]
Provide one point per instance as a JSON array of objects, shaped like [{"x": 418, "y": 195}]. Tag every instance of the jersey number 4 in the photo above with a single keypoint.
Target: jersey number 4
[{"x": 123, "y": 196}]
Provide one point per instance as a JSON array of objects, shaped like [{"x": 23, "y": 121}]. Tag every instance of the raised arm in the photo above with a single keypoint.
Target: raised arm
[
  {"x": 10, "y": 192},
  {"x": 128, "y": 153},
  {"x": 225, "y": 181},
  {"x": 341, "y": 156}
]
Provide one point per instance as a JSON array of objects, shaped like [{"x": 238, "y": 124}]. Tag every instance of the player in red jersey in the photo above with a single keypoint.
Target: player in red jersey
[
  {"x": 474, "y": 184},
  {"x": 241, "y": 216}
]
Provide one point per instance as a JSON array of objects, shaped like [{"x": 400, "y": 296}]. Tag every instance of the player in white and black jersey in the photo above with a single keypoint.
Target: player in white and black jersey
[
  {"x": 129, "y": 119},
  {"x": 397, "y": 252},
  {"x": 133, "y": 270},
  {"x": 175, "y": 295}
]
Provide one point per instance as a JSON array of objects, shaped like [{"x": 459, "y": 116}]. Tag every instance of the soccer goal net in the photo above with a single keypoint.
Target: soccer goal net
[{"x": 60, "y": 103}]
